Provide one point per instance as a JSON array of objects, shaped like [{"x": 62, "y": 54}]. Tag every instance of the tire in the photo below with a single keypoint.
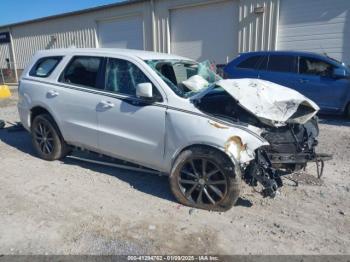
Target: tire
[
  {"x": 47, "y": 139},
  {"x": 187, "y": 183}
]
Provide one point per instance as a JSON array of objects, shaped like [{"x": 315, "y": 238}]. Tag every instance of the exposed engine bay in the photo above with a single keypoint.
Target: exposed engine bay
[{"x": 291, "y": 147}]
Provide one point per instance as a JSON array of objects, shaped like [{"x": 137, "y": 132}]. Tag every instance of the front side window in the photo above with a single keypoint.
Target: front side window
[
  {"x": 45, "y": 66},
  {"x": 123, "y": 76},
  {"x": 82, "y": 70},
  {"x": 250, "y": 63},
  {"x": 282, "y": 63},
  {"x": 314, "y": 66},
  {"x": 185, "y": 78}
]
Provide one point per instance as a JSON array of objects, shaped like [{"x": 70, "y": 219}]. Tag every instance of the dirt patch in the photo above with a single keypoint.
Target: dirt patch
[
  {"x": 306, "y": 179},
  {"x": 70, "y": 207}
]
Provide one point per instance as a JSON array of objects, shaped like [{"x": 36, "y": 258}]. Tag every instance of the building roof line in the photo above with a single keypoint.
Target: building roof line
[{"x": 82, "y": 11}]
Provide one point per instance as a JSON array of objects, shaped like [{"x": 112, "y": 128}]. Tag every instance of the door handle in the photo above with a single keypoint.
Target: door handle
[
  {"x": 52, "y": 93},
  {"x": 303, "y": 81},
  {"x": 107, "y": 104}
]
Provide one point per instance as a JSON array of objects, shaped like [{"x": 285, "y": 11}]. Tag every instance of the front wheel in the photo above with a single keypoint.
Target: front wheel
[
  {"x": 205, "y": 178},
  {"x": 46, "y": 138}
]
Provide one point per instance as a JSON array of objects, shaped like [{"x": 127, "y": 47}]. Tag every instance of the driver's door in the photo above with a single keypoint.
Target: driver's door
[
  {"x": 317, "y": 83},
  {"x": 130, "y": 128}
]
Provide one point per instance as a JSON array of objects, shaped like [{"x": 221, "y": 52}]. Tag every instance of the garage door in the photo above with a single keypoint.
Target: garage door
[
  {"x": 317, "y": 26},
  {"x": 121, "y": 33},
  {"x": 205, "y": 32}
]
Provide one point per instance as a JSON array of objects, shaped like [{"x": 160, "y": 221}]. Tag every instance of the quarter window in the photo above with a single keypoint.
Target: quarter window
[
  {"x": 313, "y": 66},
  {"x": 123, "y": 76},
  {"x": 82, "y": 70},
  {"x": 45, "y": 66},
  {"x": 282, "y": 63}
]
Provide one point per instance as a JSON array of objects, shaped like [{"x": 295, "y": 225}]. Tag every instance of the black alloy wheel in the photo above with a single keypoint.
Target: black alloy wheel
[
  {"x": 202, "y": 182},
  {"x": 47, "y": 139},
  {"x": 44, "y": 137},
  {"x": 204, "y": 177}
]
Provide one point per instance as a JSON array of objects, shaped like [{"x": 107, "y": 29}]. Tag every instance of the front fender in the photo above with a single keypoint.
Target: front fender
[{"x": 184, "y": 129}]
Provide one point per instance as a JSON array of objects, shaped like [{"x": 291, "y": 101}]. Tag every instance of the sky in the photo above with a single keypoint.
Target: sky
[{"x": 13, "y": 11}]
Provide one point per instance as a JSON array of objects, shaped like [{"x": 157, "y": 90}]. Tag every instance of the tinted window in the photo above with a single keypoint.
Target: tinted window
[
  {"x": 123, "y": 76},
  {"x": 282, "y": 63},
  {"x": 82, "y": 70},
  {"x": 45, "y": 66},
  {"x": 250, "y": 63},
  {"x": 263, "y": 63},
  {"x": 313, "y": 66}
]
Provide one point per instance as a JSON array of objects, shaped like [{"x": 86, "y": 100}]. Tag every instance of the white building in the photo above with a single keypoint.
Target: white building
[{"x": 217, "y": 30}]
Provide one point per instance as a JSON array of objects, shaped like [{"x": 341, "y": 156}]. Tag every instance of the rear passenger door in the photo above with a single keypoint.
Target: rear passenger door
[
  {"x": 130, "y": 128},
  {"x": 76, "y": 98},
  {"x": 280, "y": 69}
]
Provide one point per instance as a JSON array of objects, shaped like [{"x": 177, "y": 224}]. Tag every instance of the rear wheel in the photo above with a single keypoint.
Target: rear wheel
[
  {"x": 205, "y": 178},
  {"x": 47, "y": 139}
]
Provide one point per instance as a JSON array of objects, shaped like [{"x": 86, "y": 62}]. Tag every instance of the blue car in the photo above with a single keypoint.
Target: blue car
[{"x": 324, "y": 80}]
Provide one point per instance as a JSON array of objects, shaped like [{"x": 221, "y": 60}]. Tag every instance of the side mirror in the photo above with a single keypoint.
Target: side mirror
[
  {"x": 144, "y": 90},
  {"x": 340, "y": 73}
]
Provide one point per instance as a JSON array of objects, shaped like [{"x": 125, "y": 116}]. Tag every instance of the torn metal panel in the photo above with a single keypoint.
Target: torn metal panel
[
  {"x": 272, "y": 103},
  {"x": 238, "y": 149}
]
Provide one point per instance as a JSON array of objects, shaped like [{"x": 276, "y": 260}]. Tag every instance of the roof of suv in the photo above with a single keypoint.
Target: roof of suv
[{"x": 144, "y": 55}]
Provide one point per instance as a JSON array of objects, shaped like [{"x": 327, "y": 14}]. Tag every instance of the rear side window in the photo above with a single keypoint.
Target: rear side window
[
  {"x": 250, "y": 63},
  {"x": 82, "y": 70},
  {"x": 282, "y": 63},
  {"x": 44, "y": 66}
]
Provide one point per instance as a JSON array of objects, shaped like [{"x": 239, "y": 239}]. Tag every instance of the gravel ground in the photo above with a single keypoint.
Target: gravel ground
[{"x": 72, "y": 207}]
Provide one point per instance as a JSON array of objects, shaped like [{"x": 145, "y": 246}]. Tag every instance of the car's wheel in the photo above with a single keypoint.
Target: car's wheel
[
  {"x": 46, "y": 138},
  {"x": 205, "y": 178}
]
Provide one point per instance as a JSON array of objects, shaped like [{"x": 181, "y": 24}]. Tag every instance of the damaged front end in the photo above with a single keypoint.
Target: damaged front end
[
  {"x": 281, "y": 116},
  {"x": 290, "y": 149}
]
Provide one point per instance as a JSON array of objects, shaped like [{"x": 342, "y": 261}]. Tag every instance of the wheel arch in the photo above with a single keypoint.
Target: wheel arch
[
  {"x": 39, "y": 110},
  {"x": 229, "y": 156}
]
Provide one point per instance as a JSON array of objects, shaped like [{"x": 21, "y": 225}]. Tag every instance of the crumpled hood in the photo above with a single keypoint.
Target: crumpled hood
[{"x": 273, "y": 104}]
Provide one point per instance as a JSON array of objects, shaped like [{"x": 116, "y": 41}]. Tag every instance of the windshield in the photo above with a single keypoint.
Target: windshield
[{"x": 185, "y": 78}]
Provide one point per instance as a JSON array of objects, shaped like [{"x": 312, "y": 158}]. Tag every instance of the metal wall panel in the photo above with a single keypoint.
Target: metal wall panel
[
  {"x": 255, "y": 31},
  {"x": 79, "y": 30},
  {"x": 321, "y": 26},
  {"x": 200, "y": 38},
  {"x": 258, "y": 30},
  {"x": 124, "y": 32},
  {"x": 30, "y": 38}
]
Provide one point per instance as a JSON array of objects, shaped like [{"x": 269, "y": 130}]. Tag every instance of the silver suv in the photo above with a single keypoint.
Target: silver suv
[{"x": 170, "y": 114}]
